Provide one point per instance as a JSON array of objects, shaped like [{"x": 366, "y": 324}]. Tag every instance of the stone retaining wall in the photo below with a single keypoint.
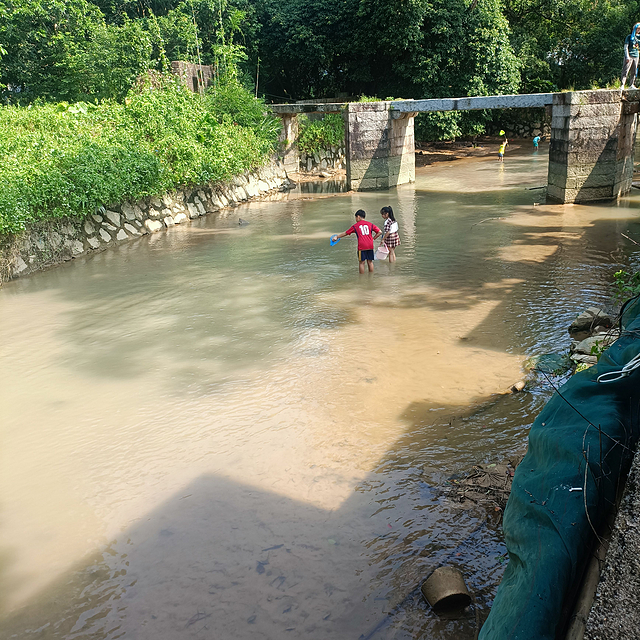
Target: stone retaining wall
[
  {"x": 615, "y": 612},
  {"x": 55, "y": 241},
  {"x": 521, "y": 130},
  {"x": 331, "y": 158}
]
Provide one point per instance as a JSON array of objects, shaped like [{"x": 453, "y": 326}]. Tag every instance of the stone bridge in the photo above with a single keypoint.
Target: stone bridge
[{"x": 590, "y": 153}]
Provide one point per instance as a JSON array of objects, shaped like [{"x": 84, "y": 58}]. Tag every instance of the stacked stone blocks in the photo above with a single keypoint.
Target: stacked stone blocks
[
  {"x": 591, "y": 148},
  {"x": 196, "y": 77},
  {"x": 331, "y": 158},
  {"x": 288, "y": 137},
  {"x": 380, "y": 146}
]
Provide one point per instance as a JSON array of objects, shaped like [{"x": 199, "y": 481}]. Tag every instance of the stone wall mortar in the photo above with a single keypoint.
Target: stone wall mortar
[
  {"x": 55, "y": 241},
  {"x": 597, "y": 96},
  {"x": 591, "y": 147},
  {"x": 380, "y": 147},
  {"x": 331, "y": 158},
  {"x": 519, "y": 123},
  {"x": 524, "y": 130}
]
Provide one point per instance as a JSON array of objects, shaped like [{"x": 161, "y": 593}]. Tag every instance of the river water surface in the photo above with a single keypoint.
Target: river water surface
[{"x": 225, "y": 432}]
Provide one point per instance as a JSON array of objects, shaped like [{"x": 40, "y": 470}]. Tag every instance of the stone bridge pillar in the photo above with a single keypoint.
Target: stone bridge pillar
[
  {"x": 288, "y": 137},
  {"x": 592, "y": 145},
  {"x": 380, "y": 146}
]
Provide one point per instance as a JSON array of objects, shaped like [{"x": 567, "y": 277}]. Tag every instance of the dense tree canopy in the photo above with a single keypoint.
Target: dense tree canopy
[
  {"x": 400, "y": 48},
  {"x": 95, "y": 49},
  {"x": 81, "y": 50},
  {"x": 569, "y": 43}
]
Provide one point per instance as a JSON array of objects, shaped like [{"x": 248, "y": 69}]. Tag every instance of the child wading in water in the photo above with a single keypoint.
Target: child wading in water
[
  {"x": 501, "y": 150},
  {"x": 390, "y": 237},
  {"x": 365, "y": 232}
]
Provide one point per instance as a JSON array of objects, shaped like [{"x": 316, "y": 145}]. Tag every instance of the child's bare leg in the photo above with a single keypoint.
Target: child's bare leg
[
  {"x": 361, "y": 267},
  {"x": 392, "y": 254},
  {"x": 370, "y": 263}
]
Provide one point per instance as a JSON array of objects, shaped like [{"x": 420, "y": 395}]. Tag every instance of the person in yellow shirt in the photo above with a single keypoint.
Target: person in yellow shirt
[{"x": 503, "y": 146}]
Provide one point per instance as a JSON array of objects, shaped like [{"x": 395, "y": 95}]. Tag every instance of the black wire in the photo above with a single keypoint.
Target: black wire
[{"x": 598, "y": 428}]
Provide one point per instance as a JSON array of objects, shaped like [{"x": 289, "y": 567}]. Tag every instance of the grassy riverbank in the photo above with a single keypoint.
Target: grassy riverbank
[{"x": 60, "y": 160}]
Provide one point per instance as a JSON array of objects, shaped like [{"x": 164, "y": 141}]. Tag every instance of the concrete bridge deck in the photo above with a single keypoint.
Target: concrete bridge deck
[
  {"x": 590, "y": 156},
  {"x": 519, "y": 101}
]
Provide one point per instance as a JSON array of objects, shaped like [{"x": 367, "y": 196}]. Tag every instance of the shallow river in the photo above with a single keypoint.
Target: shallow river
[{"x": 225, "y": 432}]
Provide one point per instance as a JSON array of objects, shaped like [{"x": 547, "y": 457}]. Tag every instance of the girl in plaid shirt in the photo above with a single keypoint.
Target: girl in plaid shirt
[{"x": 390, "y": 237}]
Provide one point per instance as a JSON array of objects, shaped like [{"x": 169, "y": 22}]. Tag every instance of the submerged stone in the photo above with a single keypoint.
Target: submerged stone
[
  {"x": 552, "y": 363},
  {"x": 587, "y": 321}
]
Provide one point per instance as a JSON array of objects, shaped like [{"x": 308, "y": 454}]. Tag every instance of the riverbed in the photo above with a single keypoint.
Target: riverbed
[{"x": 224, "y": 431}]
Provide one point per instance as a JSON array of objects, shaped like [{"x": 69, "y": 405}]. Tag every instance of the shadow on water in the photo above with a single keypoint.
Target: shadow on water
[
  {"x": 236, "y": 561},
  {"x": 321, "y": 186}
]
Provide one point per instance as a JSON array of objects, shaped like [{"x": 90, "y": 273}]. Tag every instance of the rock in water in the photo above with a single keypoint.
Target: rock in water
[
  {"x": 587, "y": 321},
  {"x": 552, "y": 363},
  {"x": 242, "y": 222},
  {"x": 518, "y": 386},
  {"x": 595, "y": 344}
]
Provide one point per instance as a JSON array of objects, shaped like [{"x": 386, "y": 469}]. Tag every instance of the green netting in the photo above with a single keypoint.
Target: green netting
[{"x": 583, "y": 438}]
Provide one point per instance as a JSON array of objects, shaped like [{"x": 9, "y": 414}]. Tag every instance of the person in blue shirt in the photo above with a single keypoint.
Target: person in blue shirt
[
  {"x": 536, "y": 141},
  {"x": 630, "y": 62}
]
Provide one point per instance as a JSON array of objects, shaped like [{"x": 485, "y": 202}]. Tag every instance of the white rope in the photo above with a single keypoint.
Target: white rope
[{"x": 613, "y": 376}]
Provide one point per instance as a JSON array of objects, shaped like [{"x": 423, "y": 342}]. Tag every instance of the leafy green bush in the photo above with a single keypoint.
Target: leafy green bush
[
  {"x": 315, "y": 135},
  {"x": 439, "y": 125},
  {"x": 60, "y": 159},
  {"x": 448, "y": 125},
  {"x": 626, "y": 285},
  {"x": 64, "y": 50}
]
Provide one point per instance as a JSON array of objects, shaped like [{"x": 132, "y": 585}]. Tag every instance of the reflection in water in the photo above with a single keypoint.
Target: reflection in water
[
  {"x": 225, "y": 431},
  {"x": 321, "y": 186}
]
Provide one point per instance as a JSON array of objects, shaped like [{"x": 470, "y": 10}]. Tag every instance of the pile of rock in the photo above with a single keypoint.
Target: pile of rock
[
  {"x": 59, "y": 240},
  {"x": 591, "y": 332}
]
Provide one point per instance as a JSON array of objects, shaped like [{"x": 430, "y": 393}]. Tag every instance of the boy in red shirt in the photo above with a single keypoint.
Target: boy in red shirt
[{"x": 365, "y": 232}]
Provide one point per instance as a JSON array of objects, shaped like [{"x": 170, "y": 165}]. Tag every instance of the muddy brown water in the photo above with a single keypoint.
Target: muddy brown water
[{"x": 225, "y": 432}]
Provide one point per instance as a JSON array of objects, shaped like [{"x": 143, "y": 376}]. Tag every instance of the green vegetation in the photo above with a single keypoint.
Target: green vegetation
[
  {"x": 92, "y": 117},
  {"x": 86, "y": 49},
  {"x": 77, "y": 50},
  {"x": 61, "y": 159},
  {"x": 78, "y": 130},
  {"x": 439, "y": 48},
  {"x": 413, "y": 49},
  {"x": 598, "y": 348},
  {"x": 315, "y": 135},
  {"x": 626, "y": 285}
]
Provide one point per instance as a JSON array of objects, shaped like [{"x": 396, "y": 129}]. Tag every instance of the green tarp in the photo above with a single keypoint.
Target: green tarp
[{"x": 582, "y": 439}]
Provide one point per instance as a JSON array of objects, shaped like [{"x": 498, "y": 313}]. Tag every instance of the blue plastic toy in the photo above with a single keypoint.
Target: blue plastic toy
[{"x": 333, "y": 242}]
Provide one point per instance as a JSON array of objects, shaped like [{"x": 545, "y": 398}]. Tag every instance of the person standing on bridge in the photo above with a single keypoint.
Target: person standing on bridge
[
  {"x": 365, "y": 233},
  {"x": 630, "y": 62}
]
